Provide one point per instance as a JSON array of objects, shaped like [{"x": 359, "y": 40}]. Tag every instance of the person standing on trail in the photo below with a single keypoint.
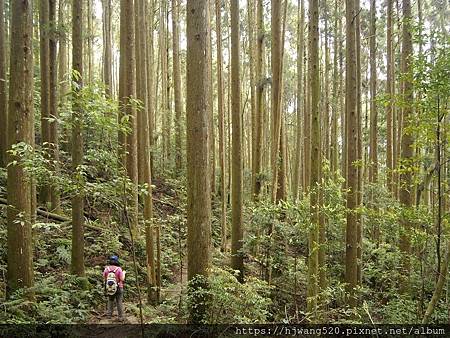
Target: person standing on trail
[{"x": 114, "y": 278}]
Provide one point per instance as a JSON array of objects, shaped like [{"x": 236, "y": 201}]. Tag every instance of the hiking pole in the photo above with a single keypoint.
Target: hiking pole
[{"x": 133, "y": 251}]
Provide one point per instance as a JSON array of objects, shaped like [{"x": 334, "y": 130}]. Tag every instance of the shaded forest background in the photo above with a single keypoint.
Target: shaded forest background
[{"x": 249, "y": 161}]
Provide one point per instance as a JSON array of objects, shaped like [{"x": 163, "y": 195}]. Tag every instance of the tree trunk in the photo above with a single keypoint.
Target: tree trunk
[
  {"x": 177, "y": 84},
  {"x": 359, "y": 166},
  {"x": 198, "y": 185},
  {"x": 276, "y": 92},
  {"x": 20, "y": 123},
  {"x": 53, "y": 104},
  {"x": 3, "y": 89},
  {"x": 299, "y": 135},
  {"x": 406, "y": 192},
  {"x": 164, "y": 73},
  {"x": 373, "y": 167},
  {"x": 315, "y": 159},
  {"x": 77, "y": 139},
  {"x": 212, "y": 141},
  {"x": 389, "y": 94},
  {"x": 351, "y": 264},
  {"x": 45, "y": 191},
  {"x": 128, "y": 84},
  {"x": 237, "y": 258},
  {"x": 107, "y": 47},
  {"x": 143, "y": 145},
  {"x": 259, "y": 102},
  {"x": 221, "y": 115}
]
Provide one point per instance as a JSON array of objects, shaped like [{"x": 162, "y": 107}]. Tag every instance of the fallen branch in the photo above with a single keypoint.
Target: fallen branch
[{"x": 55, "y": 217}]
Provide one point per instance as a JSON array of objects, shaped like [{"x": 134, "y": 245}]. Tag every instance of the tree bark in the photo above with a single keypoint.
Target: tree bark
[
  {"x": 177, "y": 84},
  {"x": 315, "y": 159},
  {"x": 128, "y": 83},
  {"x": 406, "y": 185},
  {"x": 3, "y": 89},
  {"x": 259, "y": 118},
  {"x": 276, "y": 92},
  {"x": 53, "y": 105},
  {"x": 45, "y": 191},
  {"x": 107, "y": 47},
  {"x": 351, "y": 264},
  {"x": 198, "y": 185},
  {"x": 77, "y": 266},
  {"x": 221, "y": 115},
  {"x": 20, "y": 123},
  {"x": 373, "y": 167},
  {"x": 237, "y": 258},
  {"x": 299, "y": 135}
]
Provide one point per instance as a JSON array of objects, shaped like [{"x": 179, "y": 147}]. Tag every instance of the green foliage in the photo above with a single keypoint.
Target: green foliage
[{"x": 229, "y": 301}]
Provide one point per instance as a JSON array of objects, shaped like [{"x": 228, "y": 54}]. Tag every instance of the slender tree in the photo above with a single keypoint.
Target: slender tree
[
  {"x": 390, "y": 94},
  {"x": 107, "y": 46},
  {"x": 373, "y": 168},
  {"x": 53, "y": 103},
  {"x": 63, "y": 79},
  {"x": 177, "y": 83},
  {"x": 313, "y": 241},
  {"x": 237, "y": 258},
  {"x": 221, "y": 116},
  {"x": 3, "y": 89},
  {"x": 406, "y": 193},
  {"x": 128, "y": 83},
  {"x": 20, "y": 122},
  {"x": 276, "y": 92},
  {"x": 259, "y": 118},
  {"x": 299, "y": 135},
  {"x": 77, "y": 266},
  {"x": 351, "y": 277},
  {"x": 45, "y": 193},
  {"x": 197, "y": 146}
]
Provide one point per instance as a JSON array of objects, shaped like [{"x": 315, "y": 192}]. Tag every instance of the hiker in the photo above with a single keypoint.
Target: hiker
[{"x": 114, "y": 277}]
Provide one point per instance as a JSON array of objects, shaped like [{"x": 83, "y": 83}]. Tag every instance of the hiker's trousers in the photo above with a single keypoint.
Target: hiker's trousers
[{"x": 118, "y": 299}]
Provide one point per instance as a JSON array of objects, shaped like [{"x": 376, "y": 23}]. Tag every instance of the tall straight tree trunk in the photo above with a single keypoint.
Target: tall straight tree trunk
[
  {"x": 128, "y": 83},
  {"x": 406, "y": 189},
  {"x": 281, "y": 191},
  {"x": 90, "y": 38},
  {"x": 53, "y": 103},
  {"x": 326, "y": 100},
  {"x": 20, "y": 123},
  {"x": 351, "y": 276},
  {"x": 177, "y": 84},
  {"x": 151, "y": 81},
  {"x": 107, "y": 47},
  {"x": 334, "y": 151},
  {"x": 373, "y": 167},
  {"x": 45, "y": 191},
  {"x": 252, "y": 54},
  {"x": 77, "y": 266},
  {"x": 299, "y": 135},
  {"x": 359, "y": 138},
  {"x": 198, "y": 185},
  {"x": 221, "y": 115},
  {"x": 237, "y": 258},
  {"x": 212, "y": 138},
  {"x": 259, "y": 101},
  {"x": 3, "y": 89},
  {"x": 313, "y": 239},
  {"x": 143, "y": 146},
  {"x": 389, "y": 94},
  {"x": 276, "y": 92},
  {"x": 63, "y": 62},
  {"x": 164, "y": 72}
]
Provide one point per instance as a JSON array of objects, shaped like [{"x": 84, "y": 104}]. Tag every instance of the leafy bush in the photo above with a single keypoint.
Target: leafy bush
[{"x": 229, "y": 301}]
